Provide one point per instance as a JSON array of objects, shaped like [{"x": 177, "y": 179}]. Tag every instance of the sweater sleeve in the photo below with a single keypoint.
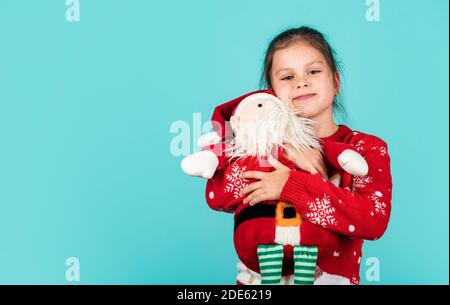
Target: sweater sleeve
[
  {"x": 222, "y": 190},
  {"x": 361, "y": 211}
]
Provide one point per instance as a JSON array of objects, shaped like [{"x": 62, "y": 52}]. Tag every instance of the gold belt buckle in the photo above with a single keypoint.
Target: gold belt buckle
[{"x": 286, "y": 215}]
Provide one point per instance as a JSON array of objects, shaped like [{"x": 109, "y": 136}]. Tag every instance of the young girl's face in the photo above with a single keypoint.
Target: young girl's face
[{"x": 301, "y": 76}]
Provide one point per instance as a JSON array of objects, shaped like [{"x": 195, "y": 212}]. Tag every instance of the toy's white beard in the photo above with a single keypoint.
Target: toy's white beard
[{"x": 269, "y": 131}]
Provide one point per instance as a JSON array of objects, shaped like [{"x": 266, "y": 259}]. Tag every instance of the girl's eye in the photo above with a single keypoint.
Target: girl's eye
[
  {"x": 314, "y": 72},
  {"x": 289, "y": 77}
]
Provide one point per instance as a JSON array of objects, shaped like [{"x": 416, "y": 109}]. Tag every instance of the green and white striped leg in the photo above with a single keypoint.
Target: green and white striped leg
[
  {"x": 270, "y": 259},
  {"x": 305, "y": 262}
]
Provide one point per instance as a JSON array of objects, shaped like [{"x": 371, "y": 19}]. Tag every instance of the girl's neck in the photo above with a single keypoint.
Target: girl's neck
[
  {"x": 324, "y": 125},
  {"x": 324, "y": 131}
]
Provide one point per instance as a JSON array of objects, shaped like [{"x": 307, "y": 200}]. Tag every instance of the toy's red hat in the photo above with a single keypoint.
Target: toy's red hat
[{"x": 224, "y": 112}]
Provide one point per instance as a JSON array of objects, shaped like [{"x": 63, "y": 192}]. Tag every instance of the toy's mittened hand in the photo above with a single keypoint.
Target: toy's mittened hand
[
  {"x": 200, "y": 164},
  {"x": 353, "y": 163}
]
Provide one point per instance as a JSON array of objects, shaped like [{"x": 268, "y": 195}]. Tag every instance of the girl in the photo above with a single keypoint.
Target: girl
[{"x": 301, "y": 69}]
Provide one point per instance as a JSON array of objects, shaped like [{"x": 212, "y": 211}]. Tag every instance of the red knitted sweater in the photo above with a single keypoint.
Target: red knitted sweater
[{"x": 359, "y": 209}]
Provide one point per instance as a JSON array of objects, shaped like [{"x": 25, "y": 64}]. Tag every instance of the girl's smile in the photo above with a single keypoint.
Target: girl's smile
[{"x": 303, "y": 97}]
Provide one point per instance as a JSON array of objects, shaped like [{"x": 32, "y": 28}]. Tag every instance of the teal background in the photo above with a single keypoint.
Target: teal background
[{"x": 86, "y": 108}]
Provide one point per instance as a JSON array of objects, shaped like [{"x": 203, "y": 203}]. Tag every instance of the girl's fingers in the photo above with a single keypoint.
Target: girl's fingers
[
  {"x": 317, "y": 164},
  {"x": 258, "y": 199},
  {"x": 253, "y": 195},
  {"x": 321, "y": 167},
  {"x": 275, "y": 163},
  {"x": 252, "y": 175},
  {"x": 322, "y": 172},
  {"x": 311, "y": 169},
  {"x": 291, "y": 154},
  {"x": 251, "y": 187}
]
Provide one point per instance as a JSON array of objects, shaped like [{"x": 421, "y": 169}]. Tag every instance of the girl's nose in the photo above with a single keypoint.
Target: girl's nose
[{"x": 302, "y": 83}]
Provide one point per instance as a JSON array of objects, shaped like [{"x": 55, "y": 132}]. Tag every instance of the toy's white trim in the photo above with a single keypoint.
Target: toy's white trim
[{"x": 287, "y": 235}]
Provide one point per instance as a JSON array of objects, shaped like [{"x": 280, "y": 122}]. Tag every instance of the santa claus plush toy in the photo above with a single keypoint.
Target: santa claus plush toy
[{"x": 248, "y": 131}]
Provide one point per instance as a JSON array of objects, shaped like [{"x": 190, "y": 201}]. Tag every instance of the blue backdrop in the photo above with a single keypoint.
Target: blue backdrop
[{"x": 89, "y": 110}]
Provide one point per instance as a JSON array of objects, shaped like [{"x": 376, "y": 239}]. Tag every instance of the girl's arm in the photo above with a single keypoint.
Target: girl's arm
[{"x": 361, "y": 212}]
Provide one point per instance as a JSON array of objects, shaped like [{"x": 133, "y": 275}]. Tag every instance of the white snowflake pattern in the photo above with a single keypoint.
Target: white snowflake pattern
[
  {"x": 360, "y": 182},
  {"x": 235, "y": 184},
  {"x": 321, "y": 212},
  {"x": 381, "y": 149},
  {"x": 380, "y": 206},
  {"x": 359, "y": 145}
]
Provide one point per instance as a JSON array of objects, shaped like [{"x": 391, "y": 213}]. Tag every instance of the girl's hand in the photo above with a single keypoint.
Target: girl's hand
[
  {"x": 269, "y": 186},
  {"x": 310, "y": 160}
]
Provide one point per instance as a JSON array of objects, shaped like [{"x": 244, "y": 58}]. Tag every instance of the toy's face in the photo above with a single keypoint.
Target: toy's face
[
  {"x": 262, "y": 122},
  {"x": 251, "y": 109}
]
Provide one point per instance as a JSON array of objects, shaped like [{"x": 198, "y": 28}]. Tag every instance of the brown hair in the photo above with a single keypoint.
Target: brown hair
[{"x": 313, "y": 38}]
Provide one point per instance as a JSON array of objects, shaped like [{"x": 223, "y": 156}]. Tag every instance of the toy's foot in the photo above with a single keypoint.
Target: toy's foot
[
  {"x": 353, "y": 163},
  {"x": 305, "y": 263},
  {"x": 270, "y": 259},
  {"x": 200, "y": 164}
]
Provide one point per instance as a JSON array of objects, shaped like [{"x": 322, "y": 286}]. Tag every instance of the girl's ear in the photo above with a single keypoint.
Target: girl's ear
[
  {"x": 234, "y": 121},
  {"x": 337, "y": 83}
]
